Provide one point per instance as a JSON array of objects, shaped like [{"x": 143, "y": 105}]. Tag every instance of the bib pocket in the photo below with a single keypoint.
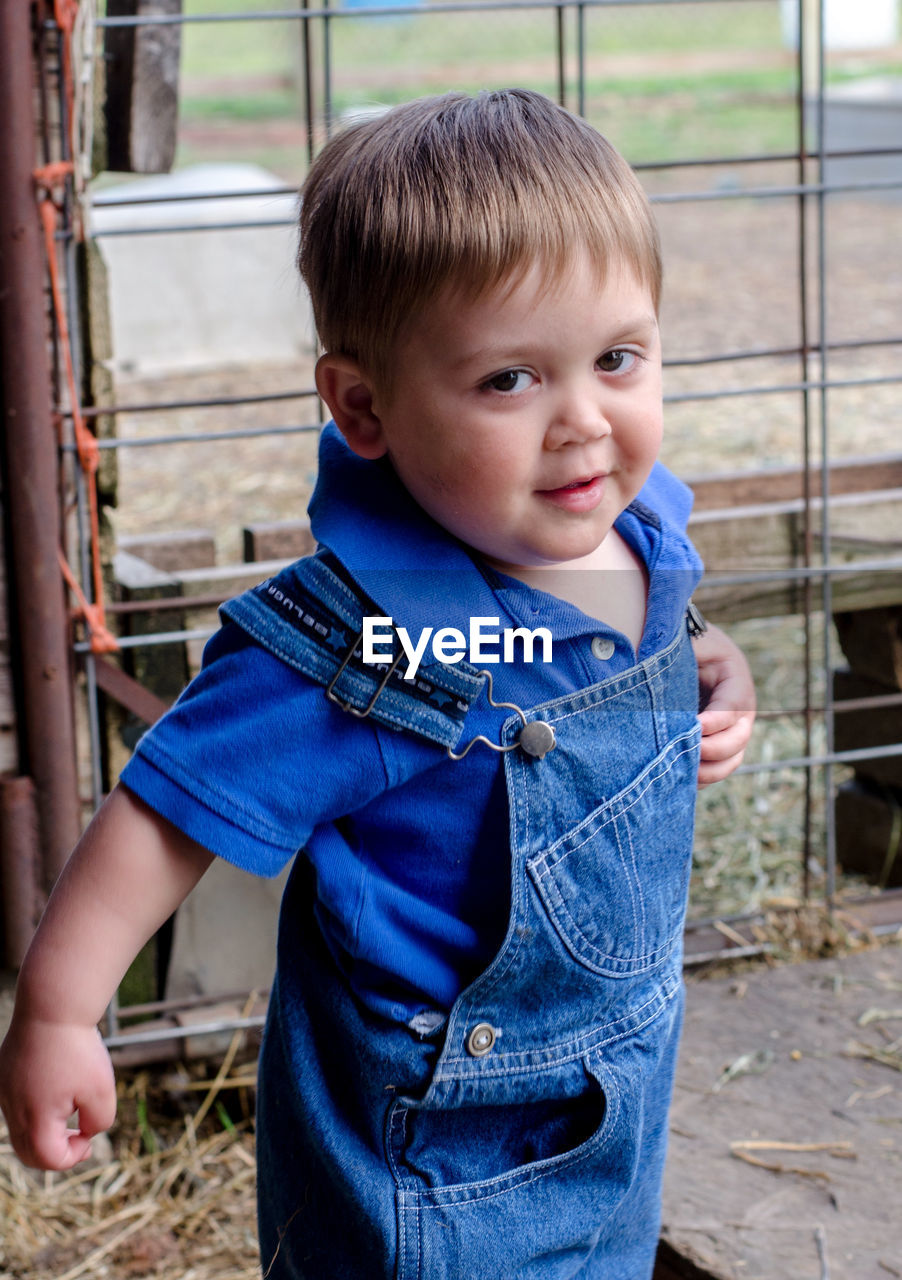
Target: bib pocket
[{"x": 615, "y": 886}]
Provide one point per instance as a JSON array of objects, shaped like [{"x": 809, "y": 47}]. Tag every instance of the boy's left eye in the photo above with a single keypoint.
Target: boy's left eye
[{"x": 616, "y": 361}]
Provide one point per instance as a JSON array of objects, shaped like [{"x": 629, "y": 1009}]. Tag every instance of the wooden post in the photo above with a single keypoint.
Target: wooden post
[{"x": 142, "y": 87}]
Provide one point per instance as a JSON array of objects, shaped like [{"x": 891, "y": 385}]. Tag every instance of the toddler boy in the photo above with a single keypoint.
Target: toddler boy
[{"x": 470, "y": 1048}]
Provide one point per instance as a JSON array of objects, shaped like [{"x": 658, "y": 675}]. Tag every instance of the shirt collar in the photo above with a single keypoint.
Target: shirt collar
[{"x": 412, "y": 568}]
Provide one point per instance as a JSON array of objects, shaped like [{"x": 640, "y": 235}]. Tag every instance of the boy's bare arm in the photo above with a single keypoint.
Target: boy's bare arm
[
  {"x": 727, "y": 711},
  {"x": 128, "y": 873}
]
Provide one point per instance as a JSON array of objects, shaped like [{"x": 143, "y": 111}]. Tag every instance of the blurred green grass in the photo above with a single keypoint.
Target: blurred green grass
[
  {"x": 636, "y": 88},
  {"x": 666, "y": 82}
]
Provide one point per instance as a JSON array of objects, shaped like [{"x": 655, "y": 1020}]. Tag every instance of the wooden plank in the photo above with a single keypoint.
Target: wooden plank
[
  {"x": 278, "y": 539},
  {"x": 770, "y": 536},
  {"x": 766, "y": 1057},
  {"x": 128, "y": 692},
  {"x": 226, "y": 580},
  {"x": 672, "y": 1265},
  {"x": 169, "y": 552},
  {"x": 163, "y": 669},
  {"x": 783, "y": 484}
]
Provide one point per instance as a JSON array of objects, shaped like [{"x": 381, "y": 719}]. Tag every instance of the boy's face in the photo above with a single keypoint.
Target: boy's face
[{"x": 524, "y": 422}]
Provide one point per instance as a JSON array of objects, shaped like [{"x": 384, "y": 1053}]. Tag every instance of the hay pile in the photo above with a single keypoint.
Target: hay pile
[{"x": 163, "y": 1196}]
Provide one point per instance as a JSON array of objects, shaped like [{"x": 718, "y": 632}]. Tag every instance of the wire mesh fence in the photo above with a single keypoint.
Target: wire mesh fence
[{"x": 774, "y": 166}]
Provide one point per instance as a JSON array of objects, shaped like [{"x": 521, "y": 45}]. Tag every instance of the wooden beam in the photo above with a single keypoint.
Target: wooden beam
[
  {"x": 278, "y": 539},
  {"x": 783, "y": 484},
  {"x": 127, "y": 691},
  {"x": 865, "y": 528}
]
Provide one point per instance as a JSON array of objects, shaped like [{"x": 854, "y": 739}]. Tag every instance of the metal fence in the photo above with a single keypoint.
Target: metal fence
[{"x": 779, "y": 207}]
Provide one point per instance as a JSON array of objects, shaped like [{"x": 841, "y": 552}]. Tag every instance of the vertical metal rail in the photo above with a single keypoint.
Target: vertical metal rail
[
  {"x": 823, "y": 359},
  {"x": 560, "y": 35},
  {"x": 73, "y": 317},
  {"x": 46, "y": 702},
  {"x": 327, "y": 69},
  {"x": 581, "y": 58},
  {"x": 307, "y": 63},
  {"x": 804, "y": 342}
]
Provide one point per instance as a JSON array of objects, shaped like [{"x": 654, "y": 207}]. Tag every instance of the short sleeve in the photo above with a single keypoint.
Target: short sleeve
[{"x": 253, "y": 757}]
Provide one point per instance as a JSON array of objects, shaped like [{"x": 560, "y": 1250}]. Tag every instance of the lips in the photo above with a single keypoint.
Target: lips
[{"x": 583, "y": 494}]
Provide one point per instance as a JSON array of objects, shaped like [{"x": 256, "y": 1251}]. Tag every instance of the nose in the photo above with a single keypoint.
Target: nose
[{"x": 579, "y": 416}]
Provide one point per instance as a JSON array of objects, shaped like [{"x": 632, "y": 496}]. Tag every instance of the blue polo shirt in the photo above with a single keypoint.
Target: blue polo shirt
[{"x": 410, "y": 849}]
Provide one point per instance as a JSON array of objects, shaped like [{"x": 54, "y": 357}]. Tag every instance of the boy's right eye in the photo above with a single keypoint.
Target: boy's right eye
[{"x": 509, "y": 380}]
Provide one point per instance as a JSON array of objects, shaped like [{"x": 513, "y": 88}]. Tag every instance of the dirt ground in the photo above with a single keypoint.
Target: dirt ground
[{"x": 786, "y": 1131}]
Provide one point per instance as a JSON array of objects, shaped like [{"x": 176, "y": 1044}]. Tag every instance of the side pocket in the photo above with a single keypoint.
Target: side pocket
[
  {"x": 463, "y": 1146},
  {"x": 501, "y": 1218}
]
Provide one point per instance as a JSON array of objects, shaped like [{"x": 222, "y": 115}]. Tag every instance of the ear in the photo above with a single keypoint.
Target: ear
[{"x": 348, "y": 392}]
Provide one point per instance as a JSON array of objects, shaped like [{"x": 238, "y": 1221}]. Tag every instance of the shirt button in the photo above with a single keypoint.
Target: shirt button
[
  {"x": 481, "y": 1039},
  {"x": 603, "y": 648}
]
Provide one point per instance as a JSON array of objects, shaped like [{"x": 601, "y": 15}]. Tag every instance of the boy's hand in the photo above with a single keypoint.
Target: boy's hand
[
  {"x": 48, "y": 1071},
  {"x": 128, "y": 873},
  {"x": 727, "y": 705}
]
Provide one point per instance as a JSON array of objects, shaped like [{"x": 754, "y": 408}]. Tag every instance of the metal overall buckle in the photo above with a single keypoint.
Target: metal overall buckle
[
  {"x": 536, "y": 737},
  {"x": 347, "y": 706}
]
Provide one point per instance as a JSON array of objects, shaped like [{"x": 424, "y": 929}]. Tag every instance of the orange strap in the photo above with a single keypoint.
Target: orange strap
[
  {"x": 101, "y": 638},
  {"x": 65, "y": 12}
]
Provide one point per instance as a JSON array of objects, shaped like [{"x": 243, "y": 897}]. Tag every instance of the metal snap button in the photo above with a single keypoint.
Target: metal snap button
[
  {"x": 602, "y": 648},
  {"x": 481, "y": 1039},
  {"x": 537, "y": 738}
]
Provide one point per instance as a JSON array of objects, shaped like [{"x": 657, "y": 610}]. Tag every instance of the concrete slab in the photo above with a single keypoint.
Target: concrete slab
[
  {"x": 808, "y": 1056},
  {"x": 201, "y": 270},
  {"x": 225, "y": 934}
]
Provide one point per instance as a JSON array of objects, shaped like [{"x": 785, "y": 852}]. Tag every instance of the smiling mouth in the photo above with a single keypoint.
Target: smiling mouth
[
  {"x": 579, "y": 495},
  {"x": 576, "y": 486}
]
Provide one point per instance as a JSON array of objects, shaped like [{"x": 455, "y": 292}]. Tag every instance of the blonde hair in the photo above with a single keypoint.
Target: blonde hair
[{"x": 458, "y": 191}]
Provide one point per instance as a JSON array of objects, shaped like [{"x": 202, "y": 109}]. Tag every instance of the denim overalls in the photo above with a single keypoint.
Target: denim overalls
[{"x": 524, "y": 1134}]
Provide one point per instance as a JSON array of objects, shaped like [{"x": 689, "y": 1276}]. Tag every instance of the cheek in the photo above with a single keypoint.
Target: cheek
[{"x": 648, "y": 429}]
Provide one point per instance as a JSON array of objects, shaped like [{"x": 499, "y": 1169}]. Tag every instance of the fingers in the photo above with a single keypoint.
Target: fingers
[
  {"x": 47, "y": 1075},
  {"x": 97, "y": 1111},
  {"x": 723, "y": 745},
  {"x": 53, "y": 1145},
  {"x": 725, "y": 730},
  {"x": 46, "y": 1140}
]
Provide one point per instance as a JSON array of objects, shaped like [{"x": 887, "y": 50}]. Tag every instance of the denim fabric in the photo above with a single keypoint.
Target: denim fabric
[
  {"x": 309, "y": 617},
  {"x": 395, "y": 1153}
]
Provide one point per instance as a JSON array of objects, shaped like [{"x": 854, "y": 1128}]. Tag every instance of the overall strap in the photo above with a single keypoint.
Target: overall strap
[{"x": 311, "y": 617}]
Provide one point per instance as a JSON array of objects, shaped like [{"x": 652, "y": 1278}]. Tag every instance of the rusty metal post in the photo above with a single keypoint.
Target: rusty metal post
[
  {"x": 38, "y": 606},
  {"x": 20, "y": 899}
]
